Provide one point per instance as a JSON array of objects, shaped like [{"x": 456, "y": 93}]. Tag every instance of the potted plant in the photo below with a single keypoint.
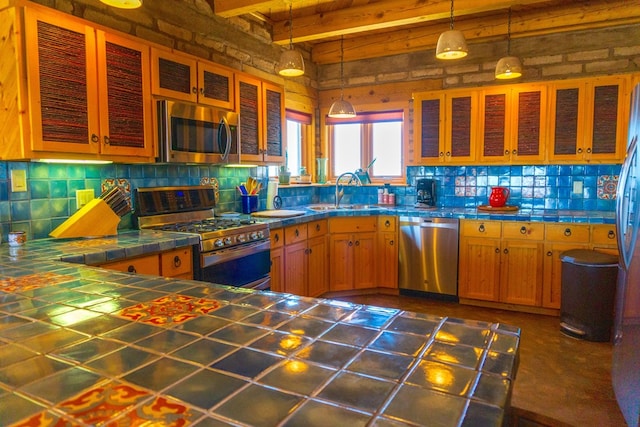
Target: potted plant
[{"x": 284, "y": 176}]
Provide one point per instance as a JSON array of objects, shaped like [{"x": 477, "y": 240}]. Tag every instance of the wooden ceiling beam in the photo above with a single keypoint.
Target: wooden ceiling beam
[
  {"x": 383, "y": 15},
  {"x": 564, "y": 18},
  {"x": 230, "y": 8}
]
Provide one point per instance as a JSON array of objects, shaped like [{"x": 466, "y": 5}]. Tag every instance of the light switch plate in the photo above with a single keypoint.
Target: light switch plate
[
  {"x": 18, "y": 180},
  {"x": 577, "y": 187},
  {"x": 83, "y": 197}
]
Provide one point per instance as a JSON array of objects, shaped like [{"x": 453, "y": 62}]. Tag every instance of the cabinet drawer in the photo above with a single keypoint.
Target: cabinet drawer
[
  {"x": 473, "y": 228},
  {"x": 277, "y": 238},
  {"x": 387, "y": 223},
  {"x": 317, "y": 228},
  {"x": 295, "y": 233},
  {"x": 605, "y": 234},
  {"x": 567, "y": 233},
  {"x": 142, "y": 265},
  {"x": 177, "y": 262},
  {"x": 352, "y": 224},
  {"x": 523, "y": 230}
]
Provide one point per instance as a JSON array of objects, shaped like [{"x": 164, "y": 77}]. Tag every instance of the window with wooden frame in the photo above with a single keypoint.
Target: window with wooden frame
[
  {"x": 299, "y": 139},
  {"x": 372, "y": 139}
]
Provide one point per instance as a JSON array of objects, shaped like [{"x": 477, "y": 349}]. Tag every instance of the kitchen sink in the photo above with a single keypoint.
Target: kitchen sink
[{"x": 331, "y": 207}]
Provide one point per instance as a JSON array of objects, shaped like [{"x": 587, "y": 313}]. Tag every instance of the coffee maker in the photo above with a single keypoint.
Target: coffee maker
[{"x": 426, "y": 193}]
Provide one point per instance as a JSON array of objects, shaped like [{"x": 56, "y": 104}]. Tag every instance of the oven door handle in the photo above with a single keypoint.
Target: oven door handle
[{"x": 223, "y": 255}]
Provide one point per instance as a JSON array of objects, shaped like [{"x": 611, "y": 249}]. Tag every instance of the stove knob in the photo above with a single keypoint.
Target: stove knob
[
  {"x": 241, "y": 238},
  {"x": 260, "y": 234},
  {"x": 227, "y": 240},
  {"x": 254, "y": 236},
  {"x": 218, "y": 243}
]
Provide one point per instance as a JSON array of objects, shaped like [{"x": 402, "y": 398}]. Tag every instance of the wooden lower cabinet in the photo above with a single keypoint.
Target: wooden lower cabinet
[
  {"x": 519, "y": 263},
  {"x": 176, "y": 263},
  {"x": 299, "y": 264},
  {"x": 387, "y": 258},
  {"x": 277, "y": 260},
  {"x": 352, "y": 253},
  {"x": 501, "y": 262}
]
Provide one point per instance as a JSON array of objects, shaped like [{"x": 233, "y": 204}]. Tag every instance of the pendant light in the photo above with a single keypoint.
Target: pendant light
[
  {"x": 509, "y": 67},
  {"x": 123, "y": 4},
  {"x": 342, "y": 109},
  {"x": 451, "y": 44},
  {"x": 291, "y": 63}
]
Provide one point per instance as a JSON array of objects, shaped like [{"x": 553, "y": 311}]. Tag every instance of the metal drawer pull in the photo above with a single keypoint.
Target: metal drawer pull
[
  {"x": 506, "y": 251},
  {"x": 276, "y": 237},
  {"x": 391, "y": 242},
  {"x": 567, "y": 232},
  {"x": 94, "y": 137},
  {"x": 317, "y": 227},
  {"x": 177, "y": 262},
  {"x": 549, "y": 253},
  {"x": 497, "y": 250},
  {"x": 387, "y": 223},
  {"x": 357, "y": 242},
  {"x": 131, "y": 269},
  {"x": 611, "y": 234},
  {"x": 523, "y": 230},
  {"x": 481, "y": 228},
  {"x": 297, "y": 233}
]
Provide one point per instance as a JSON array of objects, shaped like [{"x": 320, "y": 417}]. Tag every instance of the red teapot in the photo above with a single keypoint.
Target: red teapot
[{"x": 499, "y": 196}]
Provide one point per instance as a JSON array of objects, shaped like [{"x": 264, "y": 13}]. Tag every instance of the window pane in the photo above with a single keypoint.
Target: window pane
[
  {"x": 346, "y": 148},
  {"x": 294, "y": 147},
  {"x": 387, "y": 149}
]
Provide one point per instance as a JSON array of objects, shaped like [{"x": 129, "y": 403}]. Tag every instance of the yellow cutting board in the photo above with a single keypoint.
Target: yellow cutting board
[{"x": 279, "y": 213}]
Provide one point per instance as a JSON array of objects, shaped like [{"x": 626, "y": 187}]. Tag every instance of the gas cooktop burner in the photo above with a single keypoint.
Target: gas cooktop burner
[{"x": 206, "y": 225}]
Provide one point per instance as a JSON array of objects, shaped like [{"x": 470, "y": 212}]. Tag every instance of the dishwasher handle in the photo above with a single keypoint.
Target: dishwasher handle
[{"x": 432, "y": 224}]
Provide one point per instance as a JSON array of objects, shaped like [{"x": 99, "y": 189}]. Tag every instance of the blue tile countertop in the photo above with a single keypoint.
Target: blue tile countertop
[
  {"x": 83, "y": 345},
  {"x": 577, "y": 216}
]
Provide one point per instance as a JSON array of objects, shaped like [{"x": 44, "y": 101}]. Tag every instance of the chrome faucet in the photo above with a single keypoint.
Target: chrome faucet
[{"x": 340, "y": 190}]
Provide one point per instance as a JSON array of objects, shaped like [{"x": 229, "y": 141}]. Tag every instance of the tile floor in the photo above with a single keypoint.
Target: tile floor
[{"x": 561, "y": 378}]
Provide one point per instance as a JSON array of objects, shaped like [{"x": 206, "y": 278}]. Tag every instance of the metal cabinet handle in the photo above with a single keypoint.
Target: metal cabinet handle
[
  {"x": 506, "y": 251},
  {"x": 131, "y": 269},
  {"x": 481, "y": 228},
  {"x": 357, "y": 242},
  {"x": 441, "y": 154},
  {"x": 194, "y": 90},
  {"x": 276, "y": 237},
  {"x": 579, "y": 150},
  {"x": 448, "y": 153},
  {"x": 567, "y": 232},
  {"x": 107, "y": 141},
  {"x": 506, "y": 152},
  {"x": 297, "y": 233},
  {"x": 317, "y": 227},
  {"x": 549, "y": 253},
  {"x": 391, "y": 242},
  {"x": 514, "y": 152},
  {"x": 177, "y": 262},
  {"x": 497, "y": 250},
  {"x": 611, "y": 234},
  {"x": 201, "y": 91},
  {"x": 387, "y": 223},
  {"x": 350, "y": 243},
  {"x": 94, "y": 138},
  {"x": 310, "y": 251},
  {"x": 589, "y": 150},
  {"x": 523, "y": 230}
]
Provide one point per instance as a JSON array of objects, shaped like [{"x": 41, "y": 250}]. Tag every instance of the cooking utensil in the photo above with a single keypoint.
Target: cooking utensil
[{"x": 117, "y": 201}]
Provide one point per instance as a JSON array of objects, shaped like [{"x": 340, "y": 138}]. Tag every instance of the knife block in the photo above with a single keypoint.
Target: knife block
[{"x": 95, "y": 219}]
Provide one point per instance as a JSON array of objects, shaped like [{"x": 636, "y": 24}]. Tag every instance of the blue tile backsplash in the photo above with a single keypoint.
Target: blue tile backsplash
[{"x": 50, "y": 197}]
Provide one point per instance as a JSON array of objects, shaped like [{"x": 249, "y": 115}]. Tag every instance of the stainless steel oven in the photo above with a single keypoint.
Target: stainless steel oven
[
  {"x": 190, "y": 133},
  {"x": 233, "y": 251}
]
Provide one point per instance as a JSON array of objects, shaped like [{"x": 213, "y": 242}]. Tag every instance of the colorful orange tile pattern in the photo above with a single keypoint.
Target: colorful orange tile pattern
[
  {"x": 168, "y": 310},
  {"x": 101, "y": 405},
  {"x": 32, "y": 281}
]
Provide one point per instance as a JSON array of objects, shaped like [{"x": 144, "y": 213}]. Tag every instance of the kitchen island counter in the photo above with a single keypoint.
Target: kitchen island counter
[{"x": 86, "y": 345}]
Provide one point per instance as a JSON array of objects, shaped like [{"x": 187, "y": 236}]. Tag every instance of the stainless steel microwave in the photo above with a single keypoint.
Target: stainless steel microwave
[{"x": 190, "y": 133}]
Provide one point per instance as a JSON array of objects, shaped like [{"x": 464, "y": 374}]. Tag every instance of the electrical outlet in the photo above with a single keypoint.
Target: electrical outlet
[
  {"x": 577, "y": 187},
  {"x": 83, "y": 197},
  {"x": 18, "y": 180}
]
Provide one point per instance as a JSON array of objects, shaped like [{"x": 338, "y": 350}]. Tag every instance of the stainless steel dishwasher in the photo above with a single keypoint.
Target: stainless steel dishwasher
[{"x": 429, "y": 257}]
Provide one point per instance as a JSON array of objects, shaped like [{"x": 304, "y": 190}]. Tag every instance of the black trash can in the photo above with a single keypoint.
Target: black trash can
[{"x": 588, "y": 294}]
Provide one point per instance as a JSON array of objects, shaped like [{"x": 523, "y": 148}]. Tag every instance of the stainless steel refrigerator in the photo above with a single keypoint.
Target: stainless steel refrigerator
[{"x": 626, "y": 350}]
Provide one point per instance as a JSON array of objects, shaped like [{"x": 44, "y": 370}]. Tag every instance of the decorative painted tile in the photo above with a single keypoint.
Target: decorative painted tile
[
  {"x": 168, "y": 310},
  {"x": 214, "y": 183},
  {"x": 607, "y": 186},
  {"x": 100, "y": 405},
  {"x": 32, "y": 281}
]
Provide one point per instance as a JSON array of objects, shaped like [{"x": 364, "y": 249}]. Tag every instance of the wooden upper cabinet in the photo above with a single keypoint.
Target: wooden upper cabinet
[
  {"x": 262, "y": 120},
  {"x": 445, "y": 126},
  {"x": 587, "y": 120},
  {"x": 88, "y": 90},
  {"x": 183, "y": 77},
  {"x": 512, "y": 124}
]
